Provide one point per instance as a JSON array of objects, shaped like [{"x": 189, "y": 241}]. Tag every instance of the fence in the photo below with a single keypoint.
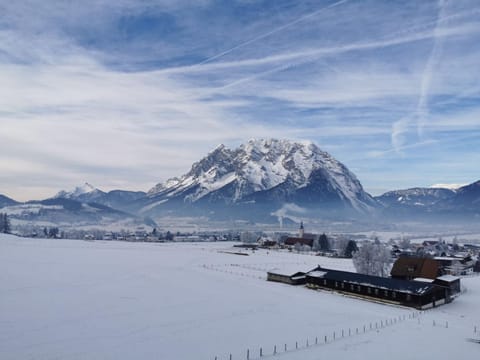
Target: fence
[{"x": 262, "y": 351}]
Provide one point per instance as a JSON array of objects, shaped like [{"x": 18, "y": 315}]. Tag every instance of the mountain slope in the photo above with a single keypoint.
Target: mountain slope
[
  {"x": 65, "y": 212},
  {"x": 116, "y": 199},
  {"x": 433, "y": 203},
  {"x": 6, "y": 201},
  {"x": 263, "y": 175},
  {"x": 415, "y": 197}
]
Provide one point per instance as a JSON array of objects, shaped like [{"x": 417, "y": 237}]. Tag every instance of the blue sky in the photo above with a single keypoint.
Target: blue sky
[{"x": 125, "y": 94}]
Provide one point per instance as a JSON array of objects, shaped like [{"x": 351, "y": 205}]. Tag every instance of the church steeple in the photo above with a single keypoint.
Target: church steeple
[{"x": 301, "y": 230}]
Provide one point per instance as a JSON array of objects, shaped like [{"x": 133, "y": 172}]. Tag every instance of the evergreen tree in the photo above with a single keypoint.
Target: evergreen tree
[
  {"x": 350, "y": 248},
  {"x": 53, "y": 232},
  {"x": 4, "y": 223},
  {"x": 324, "y": 243}
]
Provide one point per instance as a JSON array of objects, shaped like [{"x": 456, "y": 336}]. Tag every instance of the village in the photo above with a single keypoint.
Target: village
[{"x": 423, "y": 275}]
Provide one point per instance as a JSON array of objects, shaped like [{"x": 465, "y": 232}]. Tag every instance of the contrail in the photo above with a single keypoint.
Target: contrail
[
  {"x": 422, "y": 106},
  {"x": 308, "y": 56},
  {"x": 392, "y": 39},
  {"x": 274, "y": 31}
]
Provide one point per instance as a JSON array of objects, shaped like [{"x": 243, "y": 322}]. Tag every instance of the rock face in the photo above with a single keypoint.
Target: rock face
[{"x": 260, "y": 177}]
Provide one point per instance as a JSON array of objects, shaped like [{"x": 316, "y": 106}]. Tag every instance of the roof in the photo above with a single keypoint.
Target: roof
[
  {"x": 404, "y": 286},
  {"x": 415, "y": 267},
  {"x": 290, "y": 270},
  {"x": 317, "y": 273},
  {"x": 295, "y": 240},
  {"x": 448, "y": 278}
]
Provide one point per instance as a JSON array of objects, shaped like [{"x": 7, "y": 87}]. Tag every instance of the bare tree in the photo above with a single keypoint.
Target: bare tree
[{"x": 372, "y": 259}]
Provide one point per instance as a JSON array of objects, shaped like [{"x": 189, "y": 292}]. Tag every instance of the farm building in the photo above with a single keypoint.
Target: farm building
[
  {"x": 288, "y": 275},
  {"x": 449, "y": 281},
  {"x": 420, "y": 295}
]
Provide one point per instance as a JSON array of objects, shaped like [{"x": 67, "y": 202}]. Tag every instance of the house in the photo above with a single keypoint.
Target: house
[
  {"x": 456, "y": 265},
  {"x": 408, "y": 268},
  {"x": 420, "y": 295},
  {"x": 292, "y": 275}
]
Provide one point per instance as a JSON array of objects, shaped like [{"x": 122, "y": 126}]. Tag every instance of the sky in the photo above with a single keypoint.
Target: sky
[{"x": 128, "y": 93}]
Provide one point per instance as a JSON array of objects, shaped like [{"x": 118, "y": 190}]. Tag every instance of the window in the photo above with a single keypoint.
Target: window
[
  {"x": 394, "y": 294},
  {"x": 336, "y": 284},
  {"x": 409, "y": 297},
  {"x": 351, "y": 287},
  {"x": 376, "y": 292},
  {"x": 369, "y": 290},
  {"x": 386, "y": 293},
  {"x": 324, "y": 282},
  {"x": 359, "y": 288},
  {"x": 343, "y": 285}
]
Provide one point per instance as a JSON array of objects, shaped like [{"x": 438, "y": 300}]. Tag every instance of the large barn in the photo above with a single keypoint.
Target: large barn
[{"x": 420, "y": 295}]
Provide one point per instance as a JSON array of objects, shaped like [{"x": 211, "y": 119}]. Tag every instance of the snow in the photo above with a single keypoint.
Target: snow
[
  {"x": 424, "y": 280},
  {"x": 448, "y": 278},
  {"x": 86, "y": 188},
  {"x": 73, "y": 299},
  {"x": 289, "y": 270}
]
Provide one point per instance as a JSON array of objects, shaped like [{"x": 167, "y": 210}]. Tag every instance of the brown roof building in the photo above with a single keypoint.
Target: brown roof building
[
  {"x": 291, "y": 241},
  {"x": 408, "y": 268}
]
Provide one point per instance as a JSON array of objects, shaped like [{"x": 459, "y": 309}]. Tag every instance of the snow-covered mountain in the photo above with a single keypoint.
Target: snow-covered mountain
[
  {"x": 62, "y": 211},
  {"x": 433, "y": 203},
  {"x": 466, "y": 199},
  {"x": 418, "y": 197},
  {"x": 85, "y": 192},
  {"x": 263, "y": 174},
  {"x": 116, "y": 199}
]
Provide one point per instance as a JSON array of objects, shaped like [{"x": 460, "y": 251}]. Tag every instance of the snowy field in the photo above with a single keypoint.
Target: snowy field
[{"x": 73, "y": 299}]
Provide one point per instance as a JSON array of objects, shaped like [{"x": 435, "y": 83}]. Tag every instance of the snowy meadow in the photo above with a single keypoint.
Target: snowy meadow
[{"x": 74, "y": 299}]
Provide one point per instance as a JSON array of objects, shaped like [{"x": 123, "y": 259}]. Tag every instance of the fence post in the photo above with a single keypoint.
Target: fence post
[
  {"x": 325, "y": 339},
  {"x": 285, "y": 347},
  {"x": 230, "y": 357},
  {"x": 296, "y": 344},
  {"x": 349, "y": 332},
  {"x": 307, "y": 342},
  {"x": 334, "y": 335},
  {"x": 342, "y": 333},
  {"x": 275, "y": 350},
  {"x": 248, "y": 354},
  {"x": 446, "y": 324},
  {"x": 364, "y": 329},
  {"x": 316, "y": 340},
  {"x": 433, "y": 322}
]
